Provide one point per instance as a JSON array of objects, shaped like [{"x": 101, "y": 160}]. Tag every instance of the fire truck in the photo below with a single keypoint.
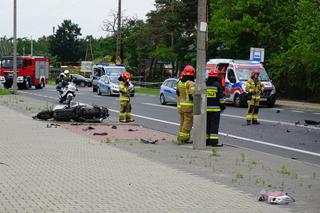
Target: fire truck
[{"x": 31, "y": 71}]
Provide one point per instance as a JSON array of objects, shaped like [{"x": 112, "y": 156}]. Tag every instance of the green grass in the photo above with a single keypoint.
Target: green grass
[
  {"x": 52, "y": 82},
  {"x": 147, "y": 91},
  {"x": 4, "y": 92}
]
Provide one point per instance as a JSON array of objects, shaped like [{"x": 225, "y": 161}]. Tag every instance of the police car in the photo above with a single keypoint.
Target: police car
[
  {"x": 109, "y": 85},
  {"x": 168, "y": 91}
]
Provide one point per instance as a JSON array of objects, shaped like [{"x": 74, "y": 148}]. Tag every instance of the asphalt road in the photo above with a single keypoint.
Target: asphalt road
[{"x": 281, "y": 132}]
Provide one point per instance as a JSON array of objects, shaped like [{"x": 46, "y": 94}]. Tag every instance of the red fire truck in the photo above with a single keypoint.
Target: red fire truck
[{"x": 31, "y": 71}]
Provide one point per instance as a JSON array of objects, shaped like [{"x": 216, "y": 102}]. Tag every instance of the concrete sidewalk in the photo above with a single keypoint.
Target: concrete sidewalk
[{"x": 53, "y": 170}]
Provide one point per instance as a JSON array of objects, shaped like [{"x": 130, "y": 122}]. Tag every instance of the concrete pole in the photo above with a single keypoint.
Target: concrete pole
[
  {"x": 118, "y": 50},
  {"x": 14, "y": 85},
  {"x": 200, "y": 99},
  {"x": 31, "y": 46}
]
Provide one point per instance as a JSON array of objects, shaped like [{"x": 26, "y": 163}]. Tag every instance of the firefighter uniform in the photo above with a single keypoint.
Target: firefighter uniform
[
  {"x": 125, "y": 106},
  {"x": 180, "y": 84},
  {"x": 254, "y": 89},
  {"x": 215, "y": 104},
  {"x": 185, "y": 92}
]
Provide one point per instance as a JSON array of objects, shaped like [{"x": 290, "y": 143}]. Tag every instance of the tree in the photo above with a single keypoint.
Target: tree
[{"x": 65, "y": 44}]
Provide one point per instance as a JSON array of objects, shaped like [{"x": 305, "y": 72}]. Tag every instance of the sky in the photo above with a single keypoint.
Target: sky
[{"x": 36, "y": 18}]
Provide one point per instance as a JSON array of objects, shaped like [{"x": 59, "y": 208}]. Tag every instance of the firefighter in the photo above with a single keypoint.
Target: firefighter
[
  {"x": 180, "y": 84},
  {"x": 215, "y": 105},
  {"x": 185, "y": 92},
  {"x": 124, "y": 89},
  {"x": 254, "y": 89}
]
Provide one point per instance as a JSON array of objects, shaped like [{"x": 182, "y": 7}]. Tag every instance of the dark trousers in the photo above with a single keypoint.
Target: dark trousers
[{"x": 213, "y": 122}]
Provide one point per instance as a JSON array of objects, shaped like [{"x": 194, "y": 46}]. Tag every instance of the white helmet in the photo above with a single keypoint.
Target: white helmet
[
  {"x": 62, "y": 75},
  {"x": 66, "y": 72}
]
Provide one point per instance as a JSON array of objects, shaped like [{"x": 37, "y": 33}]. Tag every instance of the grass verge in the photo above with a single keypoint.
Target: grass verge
[
  {"x": 147, "y": 91},
  {"x": 5, "y": 92}
]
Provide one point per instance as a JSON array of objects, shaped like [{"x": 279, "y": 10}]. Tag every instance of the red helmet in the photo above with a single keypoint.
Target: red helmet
[
  {"x": 181, "y": 74},
  {"x": 214, "y": 73},
  {"x": 255, "y": 72},
  {"x": 126, "y": 75},
  {"x": 189, "y": 70}
]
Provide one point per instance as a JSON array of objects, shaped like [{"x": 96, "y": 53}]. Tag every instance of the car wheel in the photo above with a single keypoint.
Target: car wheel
[
  {"x": 98, "y": 91},
  {"x": 237, "y": 100},
  {"x": 162, "y": 100},
  {"x": 82, "y": 84},
  {"x": 108, "y": 92}
]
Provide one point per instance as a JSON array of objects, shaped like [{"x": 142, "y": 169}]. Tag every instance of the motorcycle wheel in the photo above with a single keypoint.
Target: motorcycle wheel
[{"x": 68, "y": 101}]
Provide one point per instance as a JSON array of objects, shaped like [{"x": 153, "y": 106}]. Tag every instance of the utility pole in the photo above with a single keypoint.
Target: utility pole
[
  {"x": 118, "y": 50},
  {"x": 14, "y": 84},
  {"x": 31, "y": 47},
  {"x": 200, "y": 99}
]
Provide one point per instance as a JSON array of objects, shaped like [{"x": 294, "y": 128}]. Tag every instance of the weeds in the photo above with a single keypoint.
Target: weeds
[
  {"x": 239, "y": 175},
  {"x": 107, "y": 140},
  {"x": 215, "y": 152},
  {"x": 314, "y": 175},
  {"x": 284, "y": 171},
  {"x": 281, "y": 187},
  {"x": 242, "y": 157}
]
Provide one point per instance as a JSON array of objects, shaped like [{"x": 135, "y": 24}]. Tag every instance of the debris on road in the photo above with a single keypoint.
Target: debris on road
[
  {"x": 100, "y": 133},
  {"x": 132, "y": 130},
  {"x": 114, "y": 127},
  {"x": 52, "y": 125},
  {"x": 288, "y": 130},
  {"x": 88, "y": 128},
  {"x": 278, "y": 111},
  {"x": 311, "y": 122},
  {"x": 297, "y": 122},
  {"x": 275, "y": 197},
  {"x": 148, "y": 141}
]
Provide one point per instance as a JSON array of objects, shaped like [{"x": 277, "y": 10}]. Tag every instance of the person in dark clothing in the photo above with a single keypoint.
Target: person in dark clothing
[{"x": 215, "y": 105}]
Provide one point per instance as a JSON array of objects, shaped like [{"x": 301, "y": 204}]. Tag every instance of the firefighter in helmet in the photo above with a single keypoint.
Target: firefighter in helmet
[
  {"x": 124, "y": 90},
  {"x": 215, "y": 105},
  {"x": 254, "y": 90},
  {"x": 185, "y": 93}
]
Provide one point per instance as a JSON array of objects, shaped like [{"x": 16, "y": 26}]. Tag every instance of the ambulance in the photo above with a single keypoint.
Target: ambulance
[{"x": 235, "y": 74}]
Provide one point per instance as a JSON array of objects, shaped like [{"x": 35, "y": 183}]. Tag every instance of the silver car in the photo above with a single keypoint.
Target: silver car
[{"x": 168, "y": 90}]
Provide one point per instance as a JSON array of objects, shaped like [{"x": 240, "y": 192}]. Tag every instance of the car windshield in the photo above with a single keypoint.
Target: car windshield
[
  {"x": 8, "y": 63},
  {"x": 114, "y": 71},
  {"x": 114, "y": 79},
  {"x": 244, "y": 74}
]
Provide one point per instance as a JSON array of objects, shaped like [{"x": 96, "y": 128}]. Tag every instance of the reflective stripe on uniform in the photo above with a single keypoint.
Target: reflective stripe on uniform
[
  {"x": 124, "y": 99},
  {"x": 186, "y": 103},
  {"x": 213, "y": 136},
  {"x": 213, "y": 109},
  {"x": 212, "y": 92}
]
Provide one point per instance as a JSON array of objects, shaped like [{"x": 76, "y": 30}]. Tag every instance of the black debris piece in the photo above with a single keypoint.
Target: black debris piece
[
  {"x": 278, "y": 111},
  {"x": 148, "y": 141},
  {"x": 288, "y": 130},
  {"x": 3, "y": 164},
  {"x": 52, "y": 125},
  {"x": 132, "y": 130},
  {"x": 297, "y": 122},
  {"x": 88, "y": 128},
  {"x": 114, "y": 127},
  {"x": 294, "y": 158},
  {"x": 311, "y": 122},
  {"x": 100, "y": 133}
]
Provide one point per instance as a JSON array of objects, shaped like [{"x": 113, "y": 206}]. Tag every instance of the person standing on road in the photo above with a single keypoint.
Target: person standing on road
[
  {"x": 254, "y": 89},
  {"x": 215, "y": 105},
  {"x": 124, "y": 89},
  {"x": 185, "y": 92}
]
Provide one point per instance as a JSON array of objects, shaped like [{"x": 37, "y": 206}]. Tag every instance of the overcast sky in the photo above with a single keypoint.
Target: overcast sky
[{"x": 37, "y": 17}]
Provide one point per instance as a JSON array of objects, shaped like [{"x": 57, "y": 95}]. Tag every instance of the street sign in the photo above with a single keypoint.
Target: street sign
[{"x": 257, "y": 54}]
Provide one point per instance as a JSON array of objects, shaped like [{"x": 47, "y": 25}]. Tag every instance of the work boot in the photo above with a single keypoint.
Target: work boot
[
  {"x": 130, "y": 120},
  {"x": 248, "y": 122},
  {"x": 122, "y": 121},
  {"x": 256, "y": 122}
]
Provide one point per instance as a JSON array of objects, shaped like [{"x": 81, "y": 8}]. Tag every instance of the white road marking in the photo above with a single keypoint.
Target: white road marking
[
  {"x": 243, "y": 118},
  {"x": 316, "y": 113},
  {"x": 221, "y": 133},
  {"x": 297, "y": 111}
]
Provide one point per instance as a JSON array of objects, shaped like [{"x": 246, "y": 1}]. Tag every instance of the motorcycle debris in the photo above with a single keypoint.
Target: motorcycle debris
[
  {"x": 288, "y": 130},
  {"x": 52, "y": 125},
  {"x": 311, "y": 122},
  {"x": 275, "y": 197},
  {"x": 100, "y": 133},
  {"x": 278, "y": 111},
  {"x": 88, "y": 128},
  {"x": 148, "y": 141},
  {"x": 114, "y": 127},
  {"x": 297, "y": 122},
  {"x": 132, "y": 130}
]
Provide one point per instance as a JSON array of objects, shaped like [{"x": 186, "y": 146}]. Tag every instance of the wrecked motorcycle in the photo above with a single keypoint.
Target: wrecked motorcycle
[{"x": 77, "y": 112}]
